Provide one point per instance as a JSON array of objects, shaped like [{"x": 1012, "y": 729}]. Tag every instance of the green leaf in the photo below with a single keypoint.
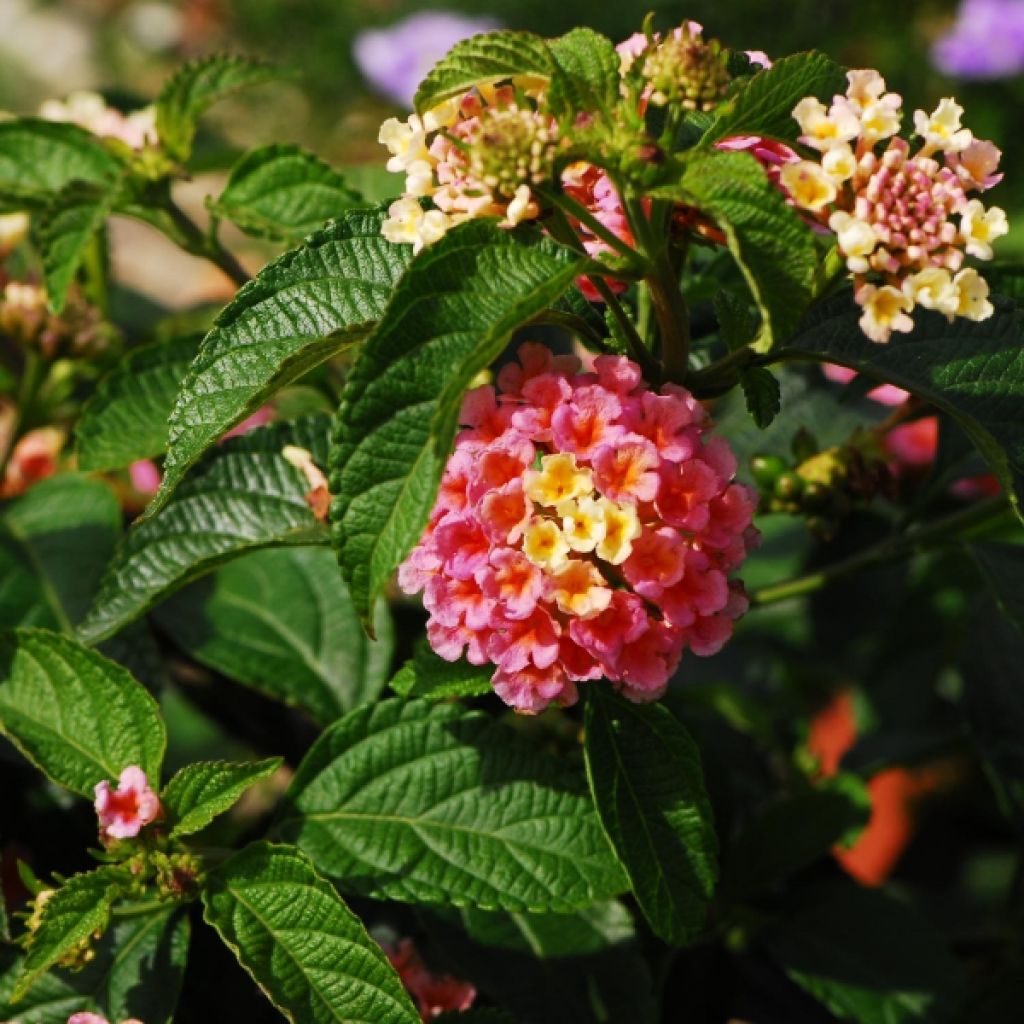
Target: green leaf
[
  {"x": 433, "y": 804},
  {"x": 793, "y": 833},
  {"x": 281, "y": 620},
  {"x": 303, "y": 308},
  {"x": 307, "y": 951},
  {"x": 245, "y": 496},
  {"x": 55, "y": 541},
  {"x": 762, "y": 393},
  {"x": 194, "y": 88},
  {"x": 865, "y": 956},
  {"x": 448, "y": 320},
  {"x": 201, "y": 791},
  {"x": 38, "y": 158},
  {"x": 66, "y": 228},
  {"x": 126, "y": 417},
  {"x": 75, "y": 715},
  {"x": 646, "y": 781},
  {"x": 774, "y": 249},
  {"x": 586, "y": 79},
  {"x": 282, "y": 192},
  {"x": 971, "y": 370},
  {"x": 764, "y": 105},
  {"x": 426, "y": 675},
  {"x": 78, "y": 908},
  {"x": 482, "y": 60}
]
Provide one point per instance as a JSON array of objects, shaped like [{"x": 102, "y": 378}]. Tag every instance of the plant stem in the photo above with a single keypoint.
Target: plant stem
[
  {"x": 723, "y": 373},
  {"x": 569, "y": 206},
  {"x": 33, "y": 375},
  {"x": 887, "y": 550},
  {"x": 206, "y": 246}
]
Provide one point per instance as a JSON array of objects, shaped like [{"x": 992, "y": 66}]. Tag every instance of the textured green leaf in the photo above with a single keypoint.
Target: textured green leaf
[
  {"x": 433, "y": 804},
  {"x": 866, "y": 956},
  {"x": 307, "y": 951},
  {"x": 66, "y": 228},
  {"x": 762, "y": 393},
  {"x": 481, "y": 60},
  {"x": 973, "y": 371},
  {"x": 78, "y": 908},
  {"x": 774, "y": 249},
  {"x": 586, "y": 78},
  {"x": 197, "y": 86},
  {"x": 282, "y": 192},
  {"x": 646, "y": 781},
  {"x": 764, "y": 105},
  {"x": 245, "y": 496},
  {"x": 55, "y": 541},
  {"x": 450, "y": 317},
  {"x": 300, "y": 310},
  {"x": 126, "y": 418},
  {"x": 77, "y": 716},
  {"x": 38, "y": 158},
  {"x": 201, "y": 791},
  {"x": 427, "y": 675},
  {"x": 281, "y": 620}
]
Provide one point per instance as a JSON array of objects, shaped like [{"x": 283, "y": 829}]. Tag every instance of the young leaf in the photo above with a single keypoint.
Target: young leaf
[
  {"x": 281, "y": 620},
  {"x": 432, "y": 804},
  {"x": 246, "y": 496},
  {"x": 447, "y": 321},
  {"x": 67, "y": 226},
  {"x": 865, "y": 956},
  {"x": 126, "y": 417},
  {"x": 646, "y": 781},
  {"x": 307, "y": 951},
  {"x": 78, "y": 908},
  {"x": 482, "y": 60},
  {"x": 282, "y": 192},
  {"x": 426, "y": 675},
  {"x": 774, "y": 249},
  {"x": 38, "y": 158},
  {"x": 586, "y": 78},
  {"x": 194, "y": 88},
  {"x": 764, "y": 105},
  {"x": 75, "y": 715},
  {"x": 762, "y": 393},
  {"x": 55, "y": 541},
  {"x": 971, "y": 370},
  {"x": 303, "y": 308},
  {"x": 202, "y": 790}
]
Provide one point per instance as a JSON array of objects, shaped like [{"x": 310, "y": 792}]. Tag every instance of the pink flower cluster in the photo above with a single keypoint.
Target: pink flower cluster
[
  {"x": 434, "y": 994},
  {"x": 124, "y": 811},
  {"x": 584, "y": 528},
  {"x": 94, "y": 1018}
]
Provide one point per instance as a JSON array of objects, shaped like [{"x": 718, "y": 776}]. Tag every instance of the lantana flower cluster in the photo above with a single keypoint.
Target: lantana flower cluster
[
  {"x": 91, "y": 111},
  {"x": 584, "y": 529},
  {"x": 903, "y": 217},
  {"x": 124, "y": 810}
]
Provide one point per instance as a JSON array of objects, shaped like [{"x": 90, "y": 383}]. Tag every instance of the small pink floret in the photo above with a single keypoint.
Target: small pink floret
[{"x": 124, "y": 811}]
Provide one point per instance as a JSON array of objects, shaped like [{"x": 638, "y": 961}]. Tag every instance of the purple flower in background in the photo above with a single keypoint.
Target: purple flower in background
[
  {"x": 395, "y": 60},
  {"x": 987, "y": 41}
]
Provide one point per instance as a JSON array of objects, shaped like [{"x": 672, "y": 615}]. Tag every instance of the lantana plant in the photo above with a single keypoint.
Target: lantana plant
[{"x": 617, "y": 634}]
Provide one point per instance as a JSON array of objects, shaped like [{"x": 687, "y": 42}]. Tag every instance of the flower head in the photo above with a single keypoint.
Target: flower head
[
  {"x": 90, "y": 111},
  {"x": 586, "y": 533},
  {"x": 124, "y": 811},
  {"x": 434, "y": 993}
]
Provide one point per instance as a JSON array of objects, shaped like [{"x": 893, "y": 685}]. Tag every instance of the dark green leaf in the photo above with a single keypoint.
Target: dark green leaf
[
  {"x": 426, "y": 675},
  {"x": 762, "y": 393},
  {"x": 448, "y": 320},
  {"x": 303, "y": 308},
  {"x": 245, "y": 496},
  {"x": 194, "y": 88},
  {"x": 202, "y": 790},
  {"x": 282, "y": 192},
  {"x": 1002, "y": 566},
  {"x": 281, "y": 620},
  {"x": 482, "y": 60},
  {"x": 586, "y": 78},
  {"x": 126, "y": 418},
  {"x": 77, "y": 716},
  {"x": 307, "y": 951},
  {"x": 764, "y": 105},
  {"x": 646, "y": 781},
  {"x": 433, "y": 804}
]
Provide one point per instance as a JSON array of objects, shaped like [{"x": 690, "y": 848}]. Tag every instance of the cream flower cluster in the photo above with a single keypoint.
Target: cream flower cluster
[
  {"x": 903, "y": 220},
  {"x": 477, "y": 155},
  {"x": 89, "y": 110}
]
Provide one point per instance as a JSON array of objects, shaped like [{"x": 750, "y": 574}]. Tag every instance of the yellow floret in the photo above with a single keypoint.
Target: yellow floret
[
  {"x": 558, "y": 480},
  {"x": 544, "y": 545},
  {"x": 579, "y": 589},
  {"x": 622, "y": 527},
  {"x": 582, "y": 523}
]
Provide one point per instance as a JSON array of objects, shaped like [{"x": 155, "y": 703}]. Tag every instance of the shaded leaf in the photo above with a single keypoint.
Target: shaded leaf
[
  {"x": 426, "y": 675},
  {"x": 762, "y": 393}
]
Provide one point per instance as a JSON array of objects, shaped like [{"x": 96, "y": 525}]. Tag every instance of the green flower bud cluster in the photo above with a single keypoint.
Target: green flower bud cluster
[
  {"x": 512, "y": 147},
  {"x": 687, "y": 70}
]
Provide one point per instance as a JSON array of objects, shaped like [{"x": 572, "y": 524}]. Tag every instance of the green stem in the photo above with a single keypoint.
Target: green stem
[
  {"x": 723, "y": 373},
  {"x": 888, "y": 550},
  {"x": 138, "y": 909},
  {"x": 205, "y": 246},
  {"x": 32, "y": 377},
  {"x": 98, "y": 273},
  {"x": 569, "y": 206}
]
